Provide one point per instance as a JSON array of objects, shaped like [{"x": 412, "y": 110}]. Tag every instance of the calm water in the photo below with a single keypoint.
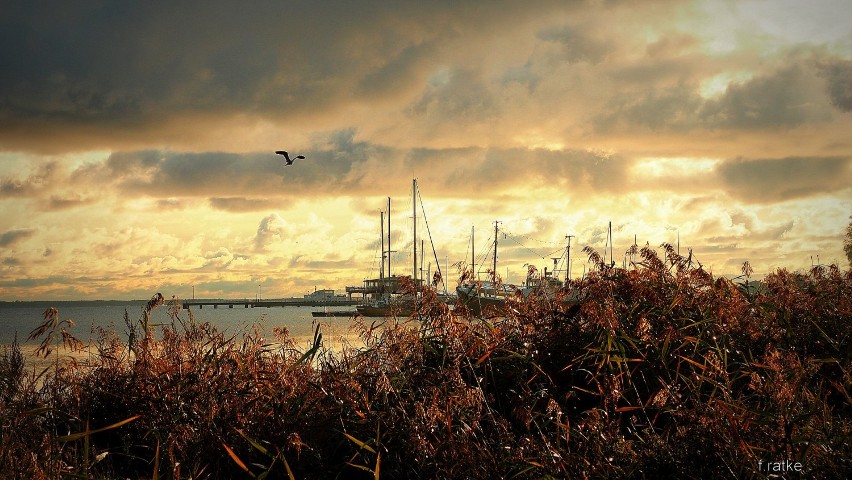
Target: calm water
[{"x": 21, "y": 318}]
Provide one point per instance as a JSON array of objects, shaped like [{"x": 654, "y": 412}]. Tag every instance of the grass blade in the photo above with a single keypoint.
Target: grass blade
[
  {"x": 76, "y": 436},
  {"x": 237, "y": 460},
  {"x": 360, "y": 443}
]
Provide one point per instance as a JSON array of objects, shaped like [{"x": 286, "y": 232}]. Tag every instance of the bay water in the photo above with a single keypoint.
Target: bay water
[{"x": 18, "y": 319}]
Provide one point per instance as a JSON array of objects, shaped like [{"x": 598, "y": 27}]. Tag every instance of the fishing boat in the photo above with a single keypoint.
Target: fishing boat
[{"x": 491, "y": 297}]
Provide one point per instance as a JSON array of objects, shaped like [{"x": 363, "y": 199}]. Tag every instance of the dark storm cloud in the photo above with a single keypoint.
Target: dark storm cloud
[
  {"x": 100, "y": 62},
  {"x": 12, "y": 237},
  {"x": 667, "y": 97},
  {"x": 771, "y": 180},
  {"x": 785, "y": 98},
  {"x": 838, "y": 74}
]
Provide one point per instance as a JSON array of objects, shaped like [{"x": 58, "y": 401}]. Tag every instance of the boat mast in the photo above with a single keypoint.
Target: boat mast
[
  {"x": 472, "y": 256},
  {"x": 611, "y": 260},
  {"x": 382, "y": 236},
  {"x": 389, "y": 238},
  {"x": 414, "y": 243},
  {"x": 414, "y": 208},
  {"x": 494, "y": 270},
  {"x": 568, "y": 259}
]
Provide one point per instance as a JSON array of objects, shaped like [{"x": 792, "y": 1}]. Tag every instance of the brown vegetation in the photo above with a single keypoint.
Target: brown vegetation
[{"x": 660, "y": 370}]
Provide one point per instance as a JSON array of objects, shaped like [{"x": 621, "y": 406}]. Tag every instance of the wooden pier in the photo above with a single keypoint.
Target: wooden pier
[{"x": 287, "y": 302}]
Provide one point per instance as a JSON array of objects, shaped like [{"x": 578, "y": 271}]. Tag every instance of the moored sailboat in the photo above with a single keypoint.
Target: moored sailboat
[{"x": 394, "y": 295}]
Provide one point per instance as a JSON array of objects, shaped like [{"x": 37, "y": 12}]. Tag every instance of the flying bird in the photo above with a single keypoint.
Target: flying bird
[{"x": 287, "y": 157}]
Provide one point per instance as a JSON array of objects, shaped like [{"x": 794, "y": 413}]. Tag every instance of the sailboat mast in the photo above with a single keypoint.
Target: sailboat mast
[
  {"x": 382, "y": 236},
  {"x": 494, "y": 270},
  {"x": 568, "y": 259},
  {"x": 611, "y": 260},
  {"x": 414, "y": 208},
  {"x": 389, "y": 238}
]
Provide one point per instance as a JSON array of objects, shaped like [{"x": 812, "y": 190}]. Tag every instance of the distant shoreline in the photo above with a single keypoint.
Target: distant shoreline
[
  {"x": 94, "y": 303},
  {"x": 68, "y": 303}
]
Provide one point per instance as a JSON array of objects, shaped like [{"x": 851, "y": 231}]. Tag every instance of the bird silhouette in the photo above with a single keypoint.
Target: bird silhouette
[{"x": 287, "y": 157}]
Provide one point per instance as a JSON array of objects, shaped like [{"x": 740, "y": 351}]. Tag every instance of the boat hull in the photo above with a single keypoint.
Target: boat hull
[
  {"x": 396, "y": 309},
  {"x": 479, "y": 302}
]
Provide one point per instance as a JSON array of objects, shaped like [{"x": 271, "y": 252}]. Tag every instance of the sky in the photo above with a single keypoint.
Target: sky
[{"x": 137, "y": 139}]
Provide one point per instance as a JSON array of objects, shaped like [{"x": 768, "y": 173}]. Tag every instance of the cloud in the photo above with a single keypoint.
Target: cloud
[
  {"x": 45, "y": 175},
  {"x": 656, "y": 109},
  {"x": 173, "y": 204},
  {"x": 400, "y": 72},
  {"x": 243, "y": 204},
  {"x": 13, "y": 237},
  {"x": 338, "y": 165},
  {"x": 667, "y": 94},
  {"x": 57, "y": 202},
  {"x": 221, "y": 259},
  {"x": 773, "y": 180},
  {"x": 453, "y": 95},
  {"x": 271, "y": 230},
  {"x": 786, "y": 97},
  {"x": 577, "y": 42},
  {"x": 838, "y": 74},
  {"x": 97, "y": 65}
]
